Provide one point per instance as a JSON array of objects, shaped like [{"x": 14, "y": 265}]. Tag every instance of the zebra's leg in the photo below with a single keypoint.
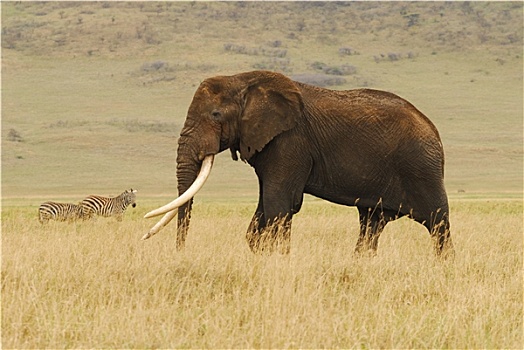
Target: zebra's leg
[
  {"x": 88, "y": 214},
  {"x": 43, "y": 216}
]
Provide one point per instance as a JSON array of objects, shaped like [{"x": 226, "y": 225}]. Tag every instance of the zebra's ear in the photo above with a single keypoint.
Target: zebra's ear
[{"x": 134, "y": 191}]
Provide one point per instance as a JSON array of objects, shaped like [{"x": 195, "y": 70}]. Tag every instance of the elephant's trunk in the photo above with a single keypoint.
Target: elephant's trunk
[
  {"x": 188, "y": 185},
  {"x": 187, "y": 169},
  {"x": 186, "y": 174}
]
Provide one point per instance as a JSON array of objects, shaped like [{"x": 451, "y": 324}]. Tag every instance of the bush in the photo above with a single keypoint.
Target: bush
[
  {"x": 256, "y": 51},
  {"x": 134, "y": 125},
  {"x": 347, "y": 51},
  {"x": 274, "y": 64},
  {"x": 394, "y": 56},
  {"x": 155, "y": 66},
  {"x": 345, "y": 69},
  {"x": 321, "y": 80},
  {"x": 14, "y": 136}
]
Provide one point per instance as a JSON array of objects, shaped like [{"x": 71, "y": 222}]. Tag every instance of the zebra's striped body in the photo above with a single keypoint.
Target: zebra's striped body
[
  {"x": 108, "y": 206},
  {"x": 59, "y": 212}
]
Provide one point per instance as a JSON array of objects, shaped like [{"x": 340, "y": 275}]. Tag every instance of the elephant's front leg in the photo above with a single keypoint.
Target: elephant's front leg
[
  {"x": 276, "y": 236},
  {"x": 270, "y": 227},
  {"x": 273, "y": 235},
  {"x": 267, "y": 235},
  {"x": 282, "y": 176},
  {"x": 255, "y": 227}
]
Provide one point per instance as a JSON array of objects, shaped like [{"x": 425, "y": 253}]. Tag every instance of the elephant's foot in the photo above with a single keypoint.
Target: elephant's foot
[
  {"x": 365, "y": 253},
  {"x": 267, "y": 242},
  {"x": 445, "y": 251},
  {"x": 366, "y": 246},
  {"x": 180, "y": 242},
  {"x": 442, "y": 239},
  {"x": 282, "y": 245},
  {"x": 257, "y": 243}
]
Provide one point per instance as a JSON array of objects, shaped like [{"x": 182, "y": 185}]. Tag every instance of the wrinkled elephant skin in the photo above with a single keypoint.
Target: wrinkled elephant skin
[{"x": 365, "y": 148}]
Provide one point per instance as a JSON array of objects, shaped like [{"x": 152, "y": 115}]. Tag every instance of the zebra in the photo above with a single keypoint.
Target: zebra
[
  {"x": 108, "y": 206},
  {"x": 59, "y": 212}
]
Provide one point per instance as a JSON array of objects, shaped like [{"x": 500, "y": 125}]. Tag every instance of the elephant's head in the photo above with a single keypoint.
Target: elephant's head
[{"x": 242, "y": 113}]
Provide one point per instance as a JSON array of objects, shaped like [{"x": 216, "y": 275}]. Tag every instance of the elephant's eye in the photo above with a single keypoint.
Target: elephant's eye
[{"x": 216, "y": 114}]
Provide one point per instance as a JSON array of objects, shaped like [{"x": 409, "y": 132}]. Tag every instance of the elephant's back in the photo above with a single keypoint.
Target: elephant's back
[
  {"x": 380, "y": 111},
  {"x": 376, "y": 124}
]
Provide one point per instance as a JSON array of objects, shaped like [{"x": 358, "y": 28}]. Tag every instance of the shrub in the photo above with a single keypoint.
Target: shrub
[
  {"x": 274, "y": 64},
  {"x": 155, "y": 66},
  {"x": 134, "y": 125},
  {"x": 67, "y": 124},
  {"x": 14, "y": 136},
  {"x": 394, "y": 56},
  {"x": 321, "y": 80},
  {"x": 318, "y": 65},
  {"x": 255, "y": 51},
  {"x": 347, "y": 51},
  {"x": 345, "y": 69}
]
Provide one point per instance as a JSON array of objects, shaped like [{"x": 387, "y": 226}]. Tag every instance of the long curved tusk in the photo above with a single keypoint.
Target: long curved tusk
[
  {"x": 160, "y": 225},
  {"x": 207, "y": 164}
]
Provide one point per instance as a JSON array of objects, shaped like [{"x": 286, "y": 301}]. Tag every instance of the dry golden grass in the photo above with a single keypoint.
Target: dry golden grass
[
  {"x": 96, "y": 285},
  {"x": 92, "y": 121}
]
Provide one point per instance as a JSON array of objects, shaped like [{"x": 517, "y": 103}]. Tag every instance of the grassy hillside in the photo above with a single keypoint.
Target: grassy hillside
[{"x": 94, "y": 93}]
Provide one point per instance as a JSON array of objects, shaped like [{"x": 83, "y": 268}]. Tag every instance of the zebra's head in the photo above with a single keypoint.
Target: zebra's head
[{"x": 129, "y": 197}]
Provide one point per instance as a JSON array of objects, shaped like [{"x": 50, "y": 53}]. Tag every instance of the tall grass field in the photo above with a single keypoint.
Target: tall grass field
[
  {"x": 96, "y": 285},
  {"x": 94, "y": 95}
]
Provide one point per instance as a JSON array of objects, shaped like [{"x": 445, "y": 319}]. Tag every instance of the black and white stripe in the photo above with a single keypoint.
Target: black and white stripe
[
  {"x": 108, "y": 206},
  {"x": 59, "y": 212}
]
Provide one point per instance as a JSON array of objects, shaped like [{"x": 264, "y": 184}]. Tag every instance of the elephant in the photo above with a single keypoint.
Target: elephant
[{"x": 366, "y": 148}]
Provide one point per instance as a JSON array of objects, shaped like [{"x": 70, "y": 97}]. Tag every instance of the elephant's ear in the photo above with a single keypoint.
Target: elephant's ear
[{"x": 272, "y": 105}]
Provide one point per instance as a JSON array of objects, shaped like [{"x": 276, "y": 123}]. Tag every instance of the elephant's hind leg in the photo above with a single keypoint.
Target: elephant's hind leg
[{"x": 438, "y": 226}]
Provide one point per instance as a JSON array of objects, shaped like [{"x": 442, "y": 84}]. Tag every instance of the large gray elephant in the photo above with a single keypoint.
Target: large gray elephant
[{"x": 365, "y": 148}]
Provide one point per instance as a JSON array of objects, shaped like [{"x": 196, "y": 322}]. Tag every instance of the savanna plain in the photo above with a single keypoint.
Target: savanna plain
[{"x": 93, "y": 97}]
